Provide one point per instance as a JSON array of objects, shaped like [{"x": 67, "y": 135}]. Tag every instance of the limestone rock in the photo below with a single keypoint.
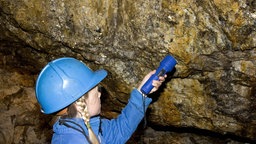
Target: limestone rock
[{"x": 212, "y": 90}]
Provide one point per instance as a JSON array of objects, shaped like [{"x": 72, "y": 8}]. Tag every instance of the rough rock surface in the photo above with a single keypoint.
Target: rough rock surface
[{"x": 209, "y": 98}]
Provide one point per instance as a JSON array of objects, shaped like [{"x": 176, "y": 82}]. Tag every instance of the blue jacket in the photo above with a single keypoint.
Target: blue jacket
[{"x": 114, "y": 131}]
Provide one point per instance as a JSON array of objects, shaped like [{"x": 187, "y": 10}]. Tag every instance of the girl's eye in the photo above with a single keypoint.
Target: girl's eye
[{"x": 100, "y": 88}]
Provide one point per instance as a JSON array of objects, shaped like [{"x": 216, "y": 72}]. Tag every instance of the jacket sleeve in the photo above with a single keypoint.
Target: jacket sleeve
[{"x": 120, "y": 129}]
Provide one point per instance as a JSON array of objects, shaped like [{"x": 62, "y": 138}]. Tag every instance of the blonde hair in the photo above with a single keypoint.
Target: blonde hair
[{"x": 79, "y": 109}]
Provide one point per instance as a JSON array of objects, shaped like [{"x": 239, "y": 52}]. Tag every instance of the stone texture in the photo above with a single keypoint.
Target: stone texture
[
  {"x": 20, "y": 120},
  {"x": 212, "y": 90}
]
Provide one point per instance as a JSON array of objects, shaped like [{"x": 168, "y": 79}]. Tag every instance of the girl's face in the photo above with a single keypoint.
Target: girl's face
[{"x": 93, "y": 102}]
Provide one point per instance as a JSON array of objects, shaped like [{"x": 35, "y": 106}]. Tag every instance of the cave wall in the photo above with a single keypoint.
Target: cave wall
[{"x": 211, "y": 91}]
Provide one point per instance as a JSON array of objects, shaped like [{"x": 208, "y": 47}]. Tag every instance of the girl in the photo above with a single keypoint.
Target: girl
[{"x": 69, "y": 89}]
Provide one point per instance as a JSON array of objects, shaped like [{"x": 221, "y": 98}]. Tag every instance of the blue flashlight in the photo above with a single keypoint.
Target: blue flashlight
[{"x": 166, "y": 65}]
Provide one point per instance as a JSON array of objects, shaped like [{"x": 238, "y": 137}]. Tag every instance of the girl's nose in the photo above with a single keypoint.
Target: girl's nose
[{"x": 99, "y": 94}]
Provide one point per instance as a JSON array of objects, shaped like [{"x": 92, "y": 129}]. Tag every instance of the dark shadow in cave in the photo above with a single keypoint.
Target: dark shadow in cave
[{"x": 202, "y": 132}]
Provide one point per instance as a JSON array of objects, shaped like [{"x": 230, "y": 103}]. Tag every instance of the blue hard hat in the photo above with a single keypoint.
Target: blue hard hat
[{"x": 63, "y": 81}]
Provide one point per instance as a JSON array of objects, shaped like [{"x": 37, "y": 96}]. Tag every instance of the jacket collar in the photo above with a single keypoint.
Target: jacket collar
[{"x": 78, "y": 123}]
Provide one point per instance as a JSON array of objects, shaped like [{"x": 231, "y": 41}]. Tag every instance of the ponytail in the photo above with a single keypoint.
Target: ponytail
[
  {"x": 83, "y": 112},
  {"x": 79, "y": 109}
]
